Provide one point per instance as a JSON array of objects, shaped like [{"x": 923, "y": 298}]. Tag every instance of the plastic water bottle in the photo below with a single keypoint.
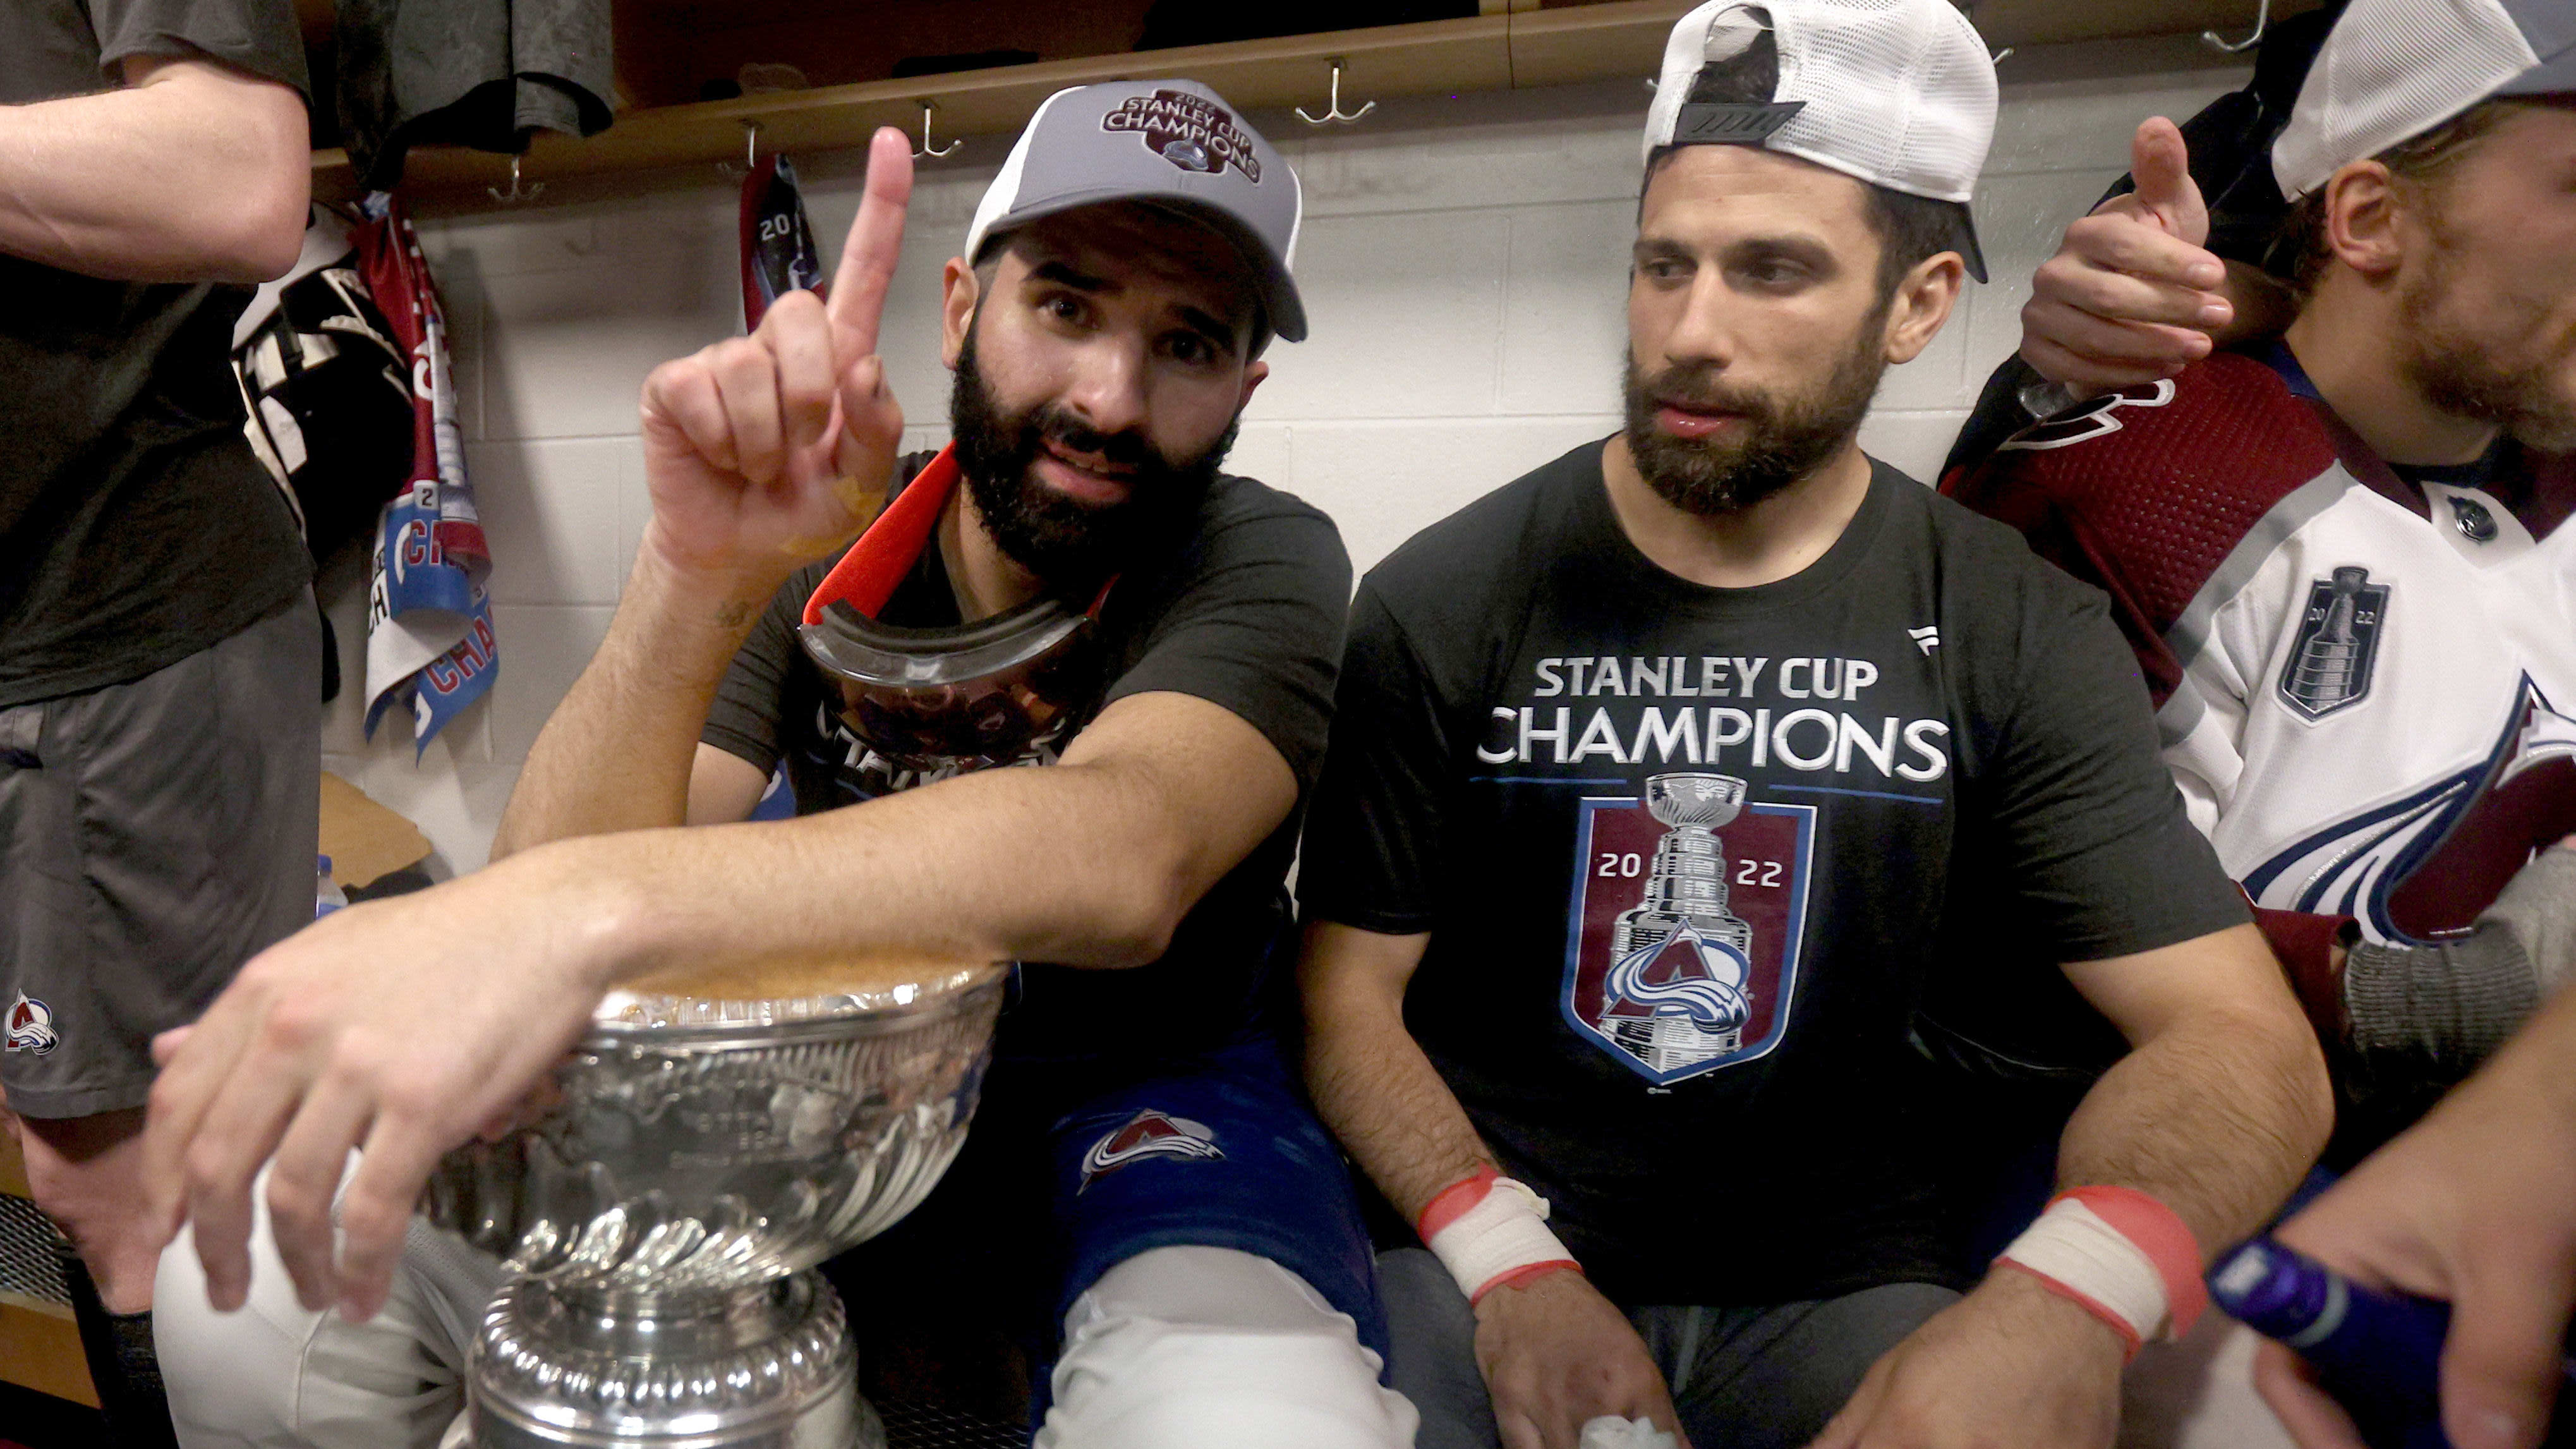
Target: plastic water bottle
[
  {"x": 2379, "y": 1354},
  {"x": 327, "y": 895}
]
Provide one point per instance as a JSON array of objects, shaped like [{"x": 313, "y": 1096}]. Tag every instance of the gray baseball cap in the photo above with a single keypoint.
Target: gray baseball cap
[{"x": 1170, "y": 142}]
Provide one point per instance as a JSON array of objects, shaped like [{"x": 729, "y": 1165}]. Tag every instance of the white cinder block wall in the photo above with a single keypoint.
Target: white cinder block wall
[{"x": 1463, "y": 263}]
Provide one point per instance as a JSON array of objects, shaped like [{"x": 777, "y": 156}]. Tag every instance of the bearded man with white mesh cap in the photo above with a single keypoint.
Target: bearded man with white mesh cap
[{"x": 1670, "y": 783}]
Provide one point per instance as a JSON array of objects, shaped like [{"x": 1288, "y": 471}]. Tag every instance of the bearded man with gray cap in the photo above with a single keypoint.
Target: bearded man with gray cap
[
  {"x": 1669, "y": 782},
  {"x": 1144, "y": 1198}
]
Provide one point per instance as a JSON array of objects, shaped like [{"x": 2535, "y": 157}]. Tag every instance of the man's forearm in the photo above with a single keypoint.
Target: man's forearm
[
  {"x": 1381, "y": 1096},
  {"x": 615, "y": 755},
  {"x": 2217, "y": 1119},
  {"x": 908, "y": 873},
  {"x": 200, "y": 173}
]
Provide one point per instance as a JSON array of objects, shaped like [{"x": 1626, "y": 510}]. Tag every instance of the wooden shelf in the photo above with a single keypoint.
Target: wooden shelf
[
  {"x": 1395, "y": 60},
  {"x": 39, "y": 1344},
  {"x": 2057, "y": 22},
  {"x": 1516, "y": 47}
]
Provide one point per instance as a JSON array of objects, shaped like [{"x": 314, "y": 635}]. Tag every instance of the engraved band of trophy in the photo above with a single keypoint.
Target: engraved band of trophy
[
  {"x": 1700, "y": 1010},
  {"x": 2332, "y": 665},
  {"x": 662, "y": 1220}
]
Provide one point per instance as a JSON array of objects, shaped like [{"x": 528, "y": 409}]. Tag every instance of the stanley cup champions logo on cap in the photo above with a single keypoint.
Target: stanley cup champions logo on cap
[
  {"x": 1192, "y": 132},
  {"x": 1172, "y": 144}
]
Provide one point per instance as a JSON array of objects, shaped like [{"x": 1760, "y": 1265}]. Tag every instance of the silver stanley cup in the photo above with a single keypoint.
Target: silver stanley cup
[
  {"x": 662, "y": 1219},
  {"x": 1686, "y": 884}
]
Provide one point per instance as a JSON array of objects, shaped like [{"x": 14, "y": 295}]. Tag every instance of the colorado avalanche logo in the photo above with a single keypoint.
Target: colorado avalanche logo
[
  {"x": 1148, "y": 1134},
  {"x": 31, "y": 1026},
  {"x": 1693, "y": 967},
  {"x": 2425, "y": 861}
]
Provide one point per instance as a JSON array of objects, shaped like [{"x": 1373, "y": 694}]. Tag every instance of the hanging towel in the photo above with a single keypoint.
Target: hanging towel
[{"x": 429, "y": 621}]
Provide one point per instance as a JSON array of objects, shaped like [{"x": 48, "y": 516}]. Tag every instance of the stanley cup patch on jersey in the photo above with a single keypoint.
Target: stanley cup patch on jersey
[
  {"x": 2329, "y": 664},
  {"x": 1682, "y": 937},
  {"x": 1148, "y": 1134}
]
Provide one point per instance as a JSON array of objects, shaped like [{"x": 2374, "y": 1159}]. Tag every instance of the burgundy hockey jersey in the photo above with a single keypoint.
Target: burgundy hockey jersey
[{"x": 2364, "y": 684}]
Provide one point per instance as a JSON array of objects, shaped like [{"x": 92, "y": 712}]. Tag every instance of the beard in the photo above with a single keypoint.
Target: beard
[
  {"x": 1073, "y": 547},
  {"x": 1783, "y": 439},
  {"x": 2471, "y": 373}
]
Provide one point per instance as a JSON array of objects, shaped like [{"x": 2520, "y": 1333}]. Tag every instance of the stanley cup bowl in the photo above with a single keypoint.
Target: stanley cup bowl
[
  {"x": 697, "y": 1158},
  {"x": 1688, "y": 798}
]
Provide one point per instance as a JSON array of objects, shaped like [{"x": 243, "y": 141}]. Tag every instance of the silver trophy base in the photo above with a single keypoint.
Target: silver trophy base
[{"x": 769, "y": 1366}]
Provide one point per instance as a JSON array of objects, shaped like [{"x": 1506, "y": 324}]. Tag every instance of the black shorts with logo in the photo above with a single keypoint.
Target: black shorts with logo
[{"x": 154, "y": 835}]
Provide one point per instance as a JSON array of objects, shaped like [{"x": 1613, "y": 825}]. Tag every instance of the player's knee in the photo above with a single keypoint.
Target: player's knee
[
  {"x": 230, "y": 1377},
  {"x": 1184, "y": 1347}
]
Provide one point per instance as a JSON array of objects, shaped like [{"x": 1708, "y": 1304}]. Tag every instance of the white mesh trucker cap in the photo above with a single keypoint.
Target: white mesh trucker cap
[
  {"x": 2393, "y": 69},
  {"x": 1172, "y": 142},
  {"x": 1899, "y": 93}
]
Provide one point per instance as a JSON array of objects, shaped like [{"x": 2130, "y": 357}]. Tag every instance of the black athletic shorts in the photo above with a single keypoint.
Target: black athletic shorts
[{"x": 154, "y": 835}]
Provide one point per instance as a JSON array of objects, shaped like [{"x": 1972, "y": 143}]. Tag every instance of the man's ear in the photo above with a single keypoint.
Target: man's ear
[
  {"x": 957, "y": 297},
  {"x": 2362, "y": 211},
  {"x": 1922, "y": 303},
  {"x": 1253, "y": 372}
]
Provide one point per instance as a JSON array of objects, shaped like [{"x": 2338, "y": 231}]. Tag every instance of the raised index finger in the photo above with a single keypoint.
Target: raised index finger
[{"x": 875, "y": 244}]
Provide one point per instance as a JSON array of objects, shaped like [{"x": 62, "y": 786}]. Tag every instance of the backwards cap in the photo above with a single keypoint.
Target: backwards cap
[
  {"x": 1896, "y": 93},
  {"x": 1170, "y": 142},
  {"x": 2393, "y": 69}
]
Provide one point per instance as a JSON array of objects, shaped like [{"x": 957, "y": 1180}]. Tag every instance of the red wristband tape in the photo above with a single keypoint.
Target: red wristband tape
[
  {"x": 1491, "y": 1232},
  {"x": 2120, "y": 1255}
]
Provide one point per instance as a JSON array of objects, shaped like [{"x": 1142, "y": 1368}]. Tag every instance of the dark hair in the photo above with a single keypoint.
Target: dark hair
[
  {"x": 2421, "y": 163},
  {"x": 1909, "y": 227},
  {"x": 987, "y": 261}
]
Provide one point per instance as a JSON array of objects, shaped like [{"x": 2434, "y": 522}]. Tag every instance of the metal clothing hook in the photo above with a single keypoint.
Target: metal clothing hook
[
  {"x": 2262, "y": 18},
  {"x": 515, "y": 195},
  {"x": 926, "y": 148},
  {"x": 2000, "y": 56},
  {"x": 1334, "y": 112},
  {"x": 750, "y": 154}
]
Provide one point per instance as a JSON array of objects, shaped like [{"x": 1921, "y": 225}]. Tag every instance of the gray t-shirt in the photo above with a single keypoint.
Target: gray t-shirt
[{"x": 136, "y": 527}]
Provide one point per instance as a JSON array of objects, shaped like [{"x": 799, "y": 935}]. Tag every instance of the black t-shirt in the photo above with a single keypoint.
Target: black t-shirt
[
  {"x": 1245, "y": 611},
  {"x": 136, "y": 527},
  {"x": 1692, "y": 859}
]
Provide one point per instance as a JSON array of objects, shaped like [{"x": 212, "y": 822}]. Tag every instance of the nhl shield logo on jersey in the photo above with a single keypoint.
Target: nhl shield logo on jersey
[
  {"x": 1682, "y": 949},
  {"x": 31, "y": 1026},
  {"x": 1148, "y": 1134},
  {"x": 2329, "y": 664}
]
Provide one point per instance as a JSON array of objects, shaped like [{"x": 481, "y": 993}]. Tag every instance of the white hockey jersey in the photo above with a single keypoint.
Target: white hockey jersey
[{"x": 2366, "y": 686}]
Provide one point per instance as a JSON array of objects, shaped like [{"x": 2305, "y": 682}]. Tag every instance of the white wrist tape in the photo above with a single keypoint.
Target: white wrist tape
[
  {"x": 2121, "y": 1255},
  {"x": 1489, "y": 1231}
]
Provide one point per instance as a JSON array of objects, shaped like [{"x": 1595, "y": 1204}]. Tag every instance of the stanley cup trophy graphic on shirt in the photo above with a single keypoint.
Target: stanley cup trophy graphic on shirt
[
  {"x": 702, "y": 1152},
  {"x": 1680, "y": 958}
]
